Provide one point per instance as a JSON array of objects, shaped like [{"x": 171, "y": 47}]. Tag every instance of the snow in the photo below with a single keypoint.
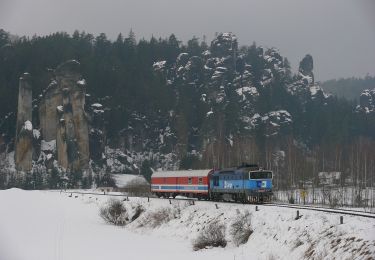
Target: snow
[
  {"x": 314, "y": 89},
  {"x": 123, "y": 179},
  {"x": 60, "y": 109},
  {"x": 81, "y": 82},
  {"x": 97, "y": 105},
  {"x": 48, "y": 146},
  {"x": 250, "y": 90},
  {"x": 44, "y": 225},
  {"x": 36, "y": 134},
  {"x": 28, "y": 125},
  {"x": 306, "y": 78},
  {"x": 159, "y": 65}
]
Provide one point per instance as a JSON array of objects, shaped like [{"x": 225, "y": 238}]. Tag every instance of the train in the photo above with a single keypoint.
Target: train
[{"x": 247, "y": 183}]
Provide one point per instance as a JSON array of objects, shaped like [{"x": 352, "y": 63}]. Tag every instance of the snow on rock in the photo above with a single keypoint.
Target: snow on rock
[
  {"x": 159, "y": 65},
  {"x": 366, "y": 101},
  {"x": 81, "y": 82},
  {"x": 274, "y": 121},
  {"x": 36, "y": 134},
  {"x": 244, "y": 91},
  {"x": 48, "y": 146},
  {"x": 97, "y": 105},
  {"x": 317, "y": 90},
  {"x": 209, "y": 113},
  {"x": 182, "y": 59},
  {"x": 60, "y": 109},
  {"x": 28, "y": 126}
]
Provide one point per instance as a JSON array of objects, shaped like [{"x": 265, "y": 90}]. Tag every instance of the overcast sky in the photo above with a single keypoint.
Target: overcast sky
[{"x": 339, "y": 34}]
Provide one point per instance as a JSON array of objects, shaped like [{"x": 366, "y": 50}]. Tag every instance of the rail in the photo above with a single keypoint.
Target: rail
[{"x": 313, "y": 208}]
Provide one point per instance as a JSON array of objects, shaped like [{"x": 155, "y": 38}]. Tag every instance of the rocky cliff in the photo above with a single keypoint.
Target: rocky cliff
[
  {"x": 24, "y": 128},
  {"x": 63, "y": 122}
]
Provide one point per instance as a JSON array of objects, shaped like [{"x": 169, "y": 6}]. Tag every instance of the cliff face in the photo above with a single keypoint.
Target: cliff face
[
  {"x": 63, "y": 121},
  {"x": 24, "y": 129},
  {"x": 64, "y": 103}
]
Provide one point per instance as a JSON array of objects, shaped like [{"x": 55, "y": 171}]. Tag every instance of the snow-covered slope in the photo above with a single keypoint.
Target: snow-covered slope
[{"x": 44, "y": 225}]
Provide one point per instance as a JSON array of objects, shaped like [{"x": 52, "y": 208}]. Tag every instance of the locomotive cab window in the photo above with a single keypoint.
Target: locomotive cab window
[
  {"x": 260, "y": 175},
  {"x": 200, "y": 180}
]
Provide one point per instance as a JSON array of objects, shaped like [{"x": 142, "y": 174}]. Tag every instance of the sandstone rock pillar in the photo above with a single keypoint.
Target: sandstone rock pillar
[
  {"x": 24, "y": 128},
  {"x": 73, "y": 125}
]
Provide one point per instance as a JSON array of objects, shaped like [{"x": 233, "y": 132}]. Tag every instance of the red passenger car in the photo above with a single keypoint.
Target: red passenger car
[{"x": 190, "y": 183}]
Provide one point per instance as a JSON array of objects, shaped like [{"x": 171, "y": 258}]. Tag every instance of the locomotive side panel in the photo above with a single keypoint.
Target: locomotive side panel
[{"x": 241, "y": 184}]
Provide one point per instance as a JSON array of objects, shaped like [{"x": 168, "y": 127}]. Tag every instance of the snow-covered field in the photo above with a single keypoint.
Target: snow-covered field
[{"x": 46, "y": 225}]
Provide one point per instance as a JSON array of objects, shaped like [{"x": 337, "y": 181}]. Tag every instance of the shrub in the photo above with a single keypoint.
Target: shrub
[
  {"x": 212, "y": 236},
  {"x": 291, "y": 199},
  {"x": 114, "y": 212},
  {"x": 240, "y": 229},
  {"x": 138, "y": 210},
  {"x": 138, "y": 187},
  {"x": 158, "y": 217}
]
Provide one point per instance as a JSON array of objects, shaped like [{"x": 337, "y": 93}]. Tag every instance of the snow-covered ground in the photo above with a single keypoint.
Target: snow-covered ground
[
  {"x": 124, "y": 179},
  {"x": 46, "y": 225}
]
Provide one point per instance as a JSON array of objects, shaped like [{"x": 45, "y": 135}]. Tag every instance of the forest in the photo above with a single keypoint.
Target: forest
[{"x": 201, "y": 104}]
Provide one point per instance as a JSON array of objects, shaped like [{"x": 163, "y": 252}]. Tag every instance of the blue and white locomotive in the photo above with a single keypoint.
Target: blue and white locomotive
[{"x": 246, "y": 183}]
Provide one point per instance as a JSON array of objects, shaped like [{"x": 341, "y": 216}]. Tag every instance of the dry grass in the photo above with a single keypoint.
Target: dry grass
[
  {"x": 241, "y": 229},
  {"x": 212, "y": 236},
  {"x": 114, "y": 212}
]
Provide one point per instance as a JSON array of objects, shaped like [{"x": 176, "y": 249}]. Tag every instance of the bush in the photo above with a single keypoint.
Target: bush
[
  {"x": 138, "y": 187},
  {"x": 114, "y": 212},
  {"x": 240, "y": 229},
  {"x": 212, "y": 236},
  {"x": 138, "y": 210},
  {"x": 291, "y": 199},
  {"x": 160, "y": 216}
]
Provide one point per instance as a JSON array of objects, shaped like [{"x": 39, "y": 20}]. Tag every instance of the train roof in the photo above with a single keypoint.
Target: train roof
[
  {"x": 183, "y": 173},
  {"x": 241, "y": 169}
]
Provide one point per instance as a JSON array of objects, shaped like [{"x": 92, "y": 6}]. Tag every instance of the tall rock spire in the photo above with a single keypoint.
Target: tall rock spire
[{"x": 24, "y": 130}]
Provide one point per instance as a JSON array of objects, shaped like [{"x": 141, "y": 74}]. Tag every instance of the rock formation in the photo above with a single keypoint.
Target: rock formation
[
  {"x": 24, "y": 128},
  {"x": 63, "y": 121},
  {"x": 306, "y": 67},
  {"x": 366, "y": 101}
]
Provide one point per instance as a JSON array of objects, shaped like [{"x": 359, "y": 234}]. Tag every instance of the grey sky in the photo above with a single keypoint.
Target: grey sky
[{"x": 339, "y": 34}]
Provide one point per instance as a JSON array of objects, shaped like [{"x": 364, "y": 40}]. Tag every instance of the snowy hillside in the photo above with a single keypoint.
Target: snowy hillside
[{"x": 45, "y": 225}]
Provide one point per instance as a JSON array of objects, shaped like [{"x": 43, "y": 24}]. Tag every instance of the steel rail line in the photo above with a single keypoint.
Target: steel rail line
[{"x": 303, "y": 207}]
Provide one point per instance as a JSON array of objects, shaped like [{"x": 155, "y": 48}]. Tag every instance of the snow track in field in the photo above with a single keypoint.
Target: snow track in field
[{"x": 44, "y": 225}]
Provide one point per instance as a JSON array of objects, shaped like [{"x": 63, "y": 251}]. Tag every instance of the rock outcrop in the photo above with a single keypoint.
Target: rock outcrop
[
  {"x": 366, "y": 101},
  {"x": 63, "y": 118},
  {"x": 63, "y": 121},
  {"x": 306, "y": 67},
  {"x": 24, "y": 128}
]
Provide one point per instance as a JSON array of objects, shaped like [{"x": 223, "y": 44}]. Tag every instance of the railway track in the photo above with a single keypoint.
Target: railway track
[
  {"x": 281, "y": 205},
  {"x": 327, "y": 210}
]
